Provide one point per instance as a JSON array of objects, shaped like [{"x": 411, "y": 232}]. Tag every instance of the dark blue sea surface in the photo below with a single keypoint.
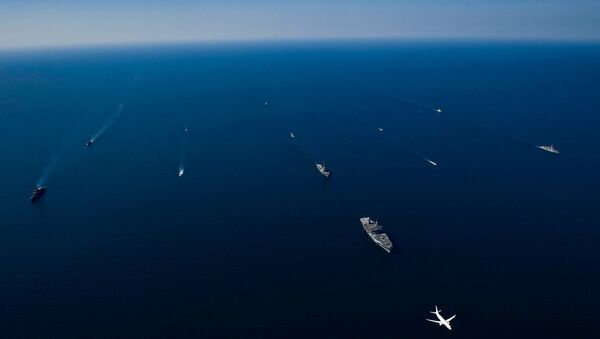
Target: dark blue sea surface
[{"x": 252, "y": 242}]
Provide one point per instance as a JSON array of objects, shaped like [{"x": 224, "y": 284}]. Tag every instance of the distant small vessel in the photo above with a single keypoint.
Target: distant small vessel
[
  {"x": 549, "y": 148},
  {"x": 181, "y": 170},
  {"x": 323, "y": 170},
  {"x": 439, "y": 110},
  {"x": 38, "y": 192},
  {"x": 185, "y": 130},
  {"x": 431, "y": 162},
  {"x": 89, "y": 142},
  {"x": 292, "y": 135},
  {"x": 380, "y": 129},
  {"x": 373, "y": 229},
  {"x": 266, "y": 103}
]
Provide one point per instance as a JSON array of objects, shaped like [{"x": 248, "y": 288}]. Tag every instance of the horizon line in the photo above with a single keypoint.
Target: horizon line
[{"x": 233, "y": 41}]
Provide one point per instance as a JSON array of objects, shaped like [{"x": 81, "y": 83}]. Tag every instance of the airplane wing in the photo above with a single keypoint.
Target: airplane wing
[
  {"x": 434, "y": 321},
  {"x": 452, "y": 317}
]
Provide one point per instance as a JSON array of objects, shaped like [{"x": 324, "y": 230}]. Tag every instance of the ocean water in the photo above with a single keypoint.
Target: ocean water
[{"x": 251, "y": 242}]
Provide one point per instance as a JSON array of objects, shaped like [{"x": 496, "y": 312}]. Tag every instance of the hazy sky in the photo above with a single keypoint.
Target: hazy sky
[{"x": 27, "y": 23}]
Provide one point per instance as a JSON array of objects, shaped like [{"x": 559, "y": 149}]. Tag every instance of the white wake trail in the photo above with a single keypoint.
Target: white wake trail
[{"x": 108, "y": 123}]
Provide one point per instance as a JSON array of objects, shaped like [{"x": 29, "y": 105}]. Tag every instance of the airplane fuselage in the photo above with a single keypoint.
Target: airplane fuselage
[{"x": 443, "y": 321}]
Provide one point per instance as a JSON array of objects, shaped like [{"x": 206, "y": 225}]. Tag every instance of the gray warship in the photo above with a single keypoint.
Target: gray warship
[
  {"x": 323, "y": 170},
  {"x": 374, "y": 230},
  {"x": 549, "y": 148}
]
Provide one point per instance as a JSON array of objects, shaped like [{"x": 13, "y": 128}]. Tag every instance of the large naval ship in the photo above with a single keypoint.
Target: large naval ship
[
  {"x": 37, "y": 193},
  {"x": 323, "y": 170},
  {"x": 549, "y": 148},
  {"x": 373, "y": 229}
]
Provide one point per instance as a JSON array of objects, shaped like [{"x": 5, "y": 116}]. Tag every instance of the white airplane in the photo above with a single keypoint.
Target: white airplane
[{"x": 441, "y": 321}]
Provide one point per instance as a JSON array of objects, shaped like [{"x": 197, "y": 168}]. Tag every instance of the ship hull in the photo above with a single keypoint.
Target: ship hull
[{"x": 549, "y": 149}]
